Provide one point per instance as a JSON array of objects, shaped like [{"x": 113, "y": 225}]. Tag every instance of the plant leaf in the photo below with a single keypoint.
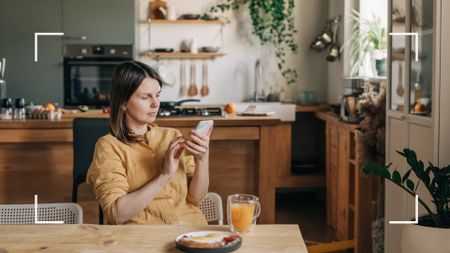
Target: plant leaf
[
  {"x": 410, "y": 184},
  {"x": 396, "y": 177},
  {"x": 406, "y": 176}
]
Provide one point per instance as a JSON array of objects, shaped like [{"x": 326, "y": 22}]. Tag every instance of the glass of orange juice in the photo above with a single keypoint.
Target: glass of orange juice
[{"x": 242, "y": 212}]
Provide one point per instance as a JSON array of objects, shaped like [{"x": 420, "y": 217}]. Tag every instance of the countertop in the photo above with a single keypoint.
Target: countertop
[
  {"x": 332, "y": 117},
  {"x": 66, "y": 121}
]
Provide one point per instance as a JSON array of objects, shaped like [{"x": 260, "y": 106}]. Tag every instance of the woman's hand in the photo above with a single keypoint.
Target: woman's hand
[
  {"x": 198, "y": 145},
  {"x": 172, "y": 159}
]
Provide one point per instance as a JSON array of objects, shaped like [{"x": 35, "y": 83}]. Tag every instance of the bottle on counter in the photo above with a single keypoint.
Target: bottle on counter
[
  {"x": 6, "y": 110},
  {"x": 19, "y": 110}
]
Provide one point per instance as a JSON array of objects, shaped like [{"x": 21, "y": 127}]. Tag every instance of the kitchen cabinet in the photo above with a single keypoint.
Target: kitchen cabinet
[
  {"x": 415, "y": 102},
  {"x": 35, "y": 81},
  {"x": 98, "y": 22},
  {"x": 184, "y": 55},
  {"x": 101, "y": 21},
  {"x": 349, "y": 195}
]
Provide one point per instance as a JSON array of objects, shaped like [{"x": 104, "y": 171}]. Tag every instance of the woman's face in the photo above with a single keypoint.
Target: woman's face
[{"x": 142, "y": 108}]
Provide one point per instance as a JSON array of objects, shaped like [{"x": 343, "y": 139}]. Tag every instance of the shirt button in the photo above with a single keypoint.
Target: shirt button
[
  {"x": 153, "y": 155},
  {"x": 170, "y": 201}
]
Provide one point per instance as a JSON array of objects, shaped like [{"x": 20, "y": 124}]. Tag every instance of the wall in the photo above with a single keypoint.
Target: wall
[{"x": 231, "y": 78}]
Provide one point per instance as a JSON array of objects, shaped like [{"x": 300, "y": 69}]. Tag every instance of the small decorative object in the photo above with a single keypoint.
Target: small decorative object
[
  {"x": 171, "y": 13},
  {"x": 156, "y": 8},
  {"x": 184, "y": 46},
  {"x": 273, "y": 23},
  {"x": 193, "y": 46}
]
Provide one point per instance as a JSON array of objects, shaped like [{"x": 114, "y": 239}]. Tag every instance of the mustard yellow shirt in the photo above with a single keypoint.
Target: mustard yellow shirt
[{"x": 118, "y": 169}]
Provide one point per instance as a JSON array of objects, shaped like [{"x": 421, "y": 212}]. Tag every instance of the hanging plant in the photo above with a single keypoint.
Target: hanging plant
[{"x": 273, "y": 24}]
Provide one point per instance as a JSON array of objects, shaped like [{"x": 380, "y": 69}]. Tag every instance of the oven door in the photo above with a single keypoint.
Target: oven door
[{"x": 87, "y": 81}]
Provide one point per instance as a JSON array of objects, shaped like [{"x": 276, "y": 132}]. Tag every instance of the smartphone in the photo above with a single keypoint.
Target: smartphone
[{"x": 204, "y": 126}]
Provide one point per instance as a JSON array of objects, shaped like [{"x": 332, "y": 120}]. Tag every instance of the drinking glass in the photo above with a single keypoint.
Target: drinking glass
[{"x": 242, "y": 212}]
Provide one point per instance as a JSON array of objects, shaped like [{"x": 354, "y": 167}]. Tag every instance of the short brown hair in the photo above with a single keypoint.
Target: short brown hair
[{"x": 126, "y": 79}]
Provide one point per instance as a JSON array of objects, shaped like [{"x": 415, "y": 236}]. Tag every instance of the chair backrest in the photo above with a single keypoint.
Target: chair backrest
[
  {"x": 211, "y": 207},
  {"x": 86, "y": 132},
  {"x": 23, "y": 214}
]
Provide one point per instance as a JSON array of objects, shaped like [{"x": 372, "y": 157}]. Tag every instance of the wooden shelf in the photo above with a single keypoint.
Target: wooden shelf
[
  {"x": 181, "y": 55},
  {"x": 186, "y": 22}
]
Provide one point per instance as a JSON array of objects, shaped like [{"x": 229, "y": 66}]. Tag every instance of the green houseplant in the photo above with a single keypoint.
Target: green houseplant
[
  {"x": 367, "y": 36},
  {"x": 273, "y": 24},
  {"x": 436, "y": 181}
]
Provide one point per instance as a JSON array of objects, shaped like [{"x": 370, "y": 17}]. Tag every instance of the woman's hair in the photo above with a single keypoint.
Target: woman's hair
[{"x": 126, "y": 79}]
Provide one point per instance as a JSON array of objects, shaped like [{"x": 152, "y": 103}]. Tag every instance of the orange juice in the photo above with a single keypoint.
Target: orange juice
[{"x": 242, "y": 215}]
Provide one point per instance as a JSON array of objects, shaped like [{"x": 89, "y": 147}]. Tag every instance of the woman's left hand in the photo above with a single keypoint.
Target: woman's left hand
[{"x": 198, "y": 145}]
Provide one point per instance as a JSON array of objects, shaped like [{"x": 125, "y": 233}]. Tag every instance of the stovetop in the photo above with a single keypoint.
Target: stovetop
[{"x": 190, "y": 112}]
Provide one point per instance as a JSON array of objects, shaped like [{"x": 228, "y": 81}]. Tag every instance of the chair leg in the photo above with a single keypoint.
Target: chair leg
[
  {"x": 100, "y": 215},
  {"x": 75, "y": 191}
]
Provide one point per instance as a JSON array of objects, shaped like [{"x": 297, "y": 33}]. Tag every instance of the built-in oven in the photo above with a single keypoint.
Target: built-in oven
[{"x": 88, "y": 72}]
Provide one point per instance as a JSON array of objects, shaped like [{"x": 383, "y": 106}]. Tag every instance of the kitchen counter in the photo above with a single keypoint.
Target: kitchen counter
[
  {"x": 66, "y": 122},
  {"x": 246, "y": 155}
]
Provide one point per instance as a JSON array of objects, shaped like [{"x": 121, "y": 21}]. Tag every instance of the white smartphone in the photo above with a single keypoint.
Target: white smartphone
[{"x": 204, "y": 126}]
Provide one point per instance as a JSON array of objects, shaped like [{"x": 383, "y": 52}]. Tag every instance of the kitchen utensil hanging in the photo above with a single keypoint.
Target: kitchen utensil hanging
[
  {"x": 183, "y": 88},
  {"x": 205, "y": 89},
  {"x": 193, "y": 91}
]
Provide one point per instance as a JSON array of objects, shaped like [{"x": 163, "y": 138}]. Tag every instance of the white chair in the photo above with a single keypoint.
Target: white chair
[
  {"x": 211, "y": 207},
  {"x": 23, "y": 214}
]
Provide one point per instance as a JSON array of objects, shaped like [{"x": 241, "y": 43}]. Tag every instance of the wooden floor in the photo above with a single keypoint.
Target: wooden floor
[{"x": 307, "y": 210}]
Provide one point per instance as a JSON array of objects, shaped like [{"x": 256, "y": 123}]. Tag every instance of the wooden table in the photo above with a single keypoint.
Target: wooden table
[{"x": 137, "y": 238}]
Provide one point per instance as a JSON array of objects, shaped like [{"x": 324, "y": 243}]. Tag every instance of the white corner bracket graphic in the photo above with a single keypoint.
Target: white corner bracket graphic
[
  {"x": 415, "y": 221},
  {"x": 416, "y": 46},
  {"x": 36, "y": 35},
  {"x": 36, "y": 221}
]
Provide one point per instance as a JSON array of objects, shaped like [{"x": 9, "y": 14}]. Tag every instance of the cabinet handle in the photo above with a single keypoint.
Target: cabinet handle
[{"x": 75, "y": 37}]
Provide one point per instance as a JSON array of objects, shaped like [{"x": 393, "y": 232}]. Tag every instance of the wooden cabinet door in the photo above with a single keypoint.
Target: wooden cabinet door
[
  {"x": 332, "y": 173},
  {"x": 343, "y": 184}
]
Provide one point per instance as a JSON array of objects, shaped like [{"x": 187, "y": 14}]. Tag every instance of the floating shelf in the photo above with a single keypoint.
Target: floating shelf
[
  {"x": 181, "y": 55},
  {"x": 186, "y": 22}
]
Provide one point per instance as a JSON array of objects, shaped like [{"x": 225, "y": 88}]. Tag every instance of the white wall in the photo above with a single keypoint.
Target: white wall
[{"x": 231, "y": 78}]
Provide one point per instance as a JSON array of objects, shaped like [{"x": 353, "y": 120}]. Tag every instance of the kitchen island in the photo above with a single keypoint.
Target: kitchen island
[{"x": 246, "y": 155}]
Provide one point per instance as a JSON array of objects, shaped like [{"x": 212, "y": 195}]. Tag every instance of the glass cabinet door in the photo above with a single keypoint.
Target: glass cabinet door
[
  {"x": 421, "y": 71},
  {"x": 398, "y": 53}
]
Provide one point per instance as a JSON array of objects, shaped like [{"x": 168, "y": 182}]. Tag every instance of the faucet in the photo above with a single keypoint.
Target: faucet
[{"x": 258, "y": 74}]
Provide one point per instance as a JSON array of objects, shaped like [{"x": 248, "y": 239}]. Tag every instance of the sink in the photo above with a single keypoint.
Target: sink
[{"x": 286, "y": 112}]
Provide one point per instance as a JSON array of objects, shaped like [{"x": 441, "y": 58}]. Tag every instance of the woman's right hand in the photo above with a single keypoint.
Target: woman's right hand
[{"x": 172, "y": 159}]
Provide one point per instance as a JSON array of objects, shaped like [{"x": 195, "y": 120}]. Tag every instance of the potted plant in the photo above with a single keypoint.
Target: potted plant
[
  {"x": 432, "y": 232},
  {"x": 273, "y": 23},
  {"x": 368, "y": 36}
]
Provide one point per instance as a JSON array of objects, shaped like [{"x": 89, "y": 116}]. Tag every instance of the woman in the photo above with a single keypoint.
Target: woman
[{"x": 140, "y": 171}]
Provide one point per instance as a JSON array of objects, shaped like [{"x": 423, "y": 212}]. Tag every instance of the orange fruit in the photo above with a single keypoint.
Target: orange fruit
[
  {"x": 419, "y": 107},
  {"x": 230, "y": 108},
  {"x": 49, "y": 106}
]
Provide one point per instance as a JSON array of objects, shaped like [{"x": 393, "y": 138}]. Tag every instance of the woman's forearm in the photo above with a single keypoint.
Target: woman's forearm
[
  {"x": 133, "y": 203},
  {"x": 200, "y": 181}
]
